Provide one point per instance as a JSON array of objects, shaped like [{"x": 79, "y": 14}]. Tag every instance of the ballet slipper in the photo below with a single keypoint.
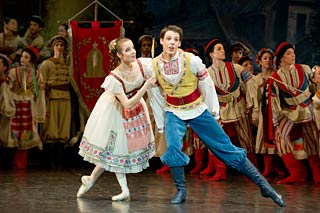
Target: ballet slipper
[
  {"x": 124, "y": 196},
  {"x": 85, "y": 186}
]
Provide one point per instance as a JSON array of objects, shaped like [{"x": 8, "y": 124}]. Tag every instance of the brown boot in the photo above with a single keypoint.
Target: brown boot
[
  {"x": 221, "y": 170},
  {"x": 296, "y": 168},
  {"x": 198, "y": 157},
  {"x": 210, "y": 167}
]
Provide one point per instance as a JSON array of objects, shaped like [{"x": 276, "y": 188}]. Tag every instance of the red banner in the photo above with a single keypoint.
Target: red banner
[{"x": 91, "y": 61}]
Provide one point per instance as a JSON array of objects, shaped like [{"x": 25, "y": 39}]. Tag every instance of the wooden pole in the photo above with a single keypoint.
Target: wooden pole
[{"x": 96, "y": 10}]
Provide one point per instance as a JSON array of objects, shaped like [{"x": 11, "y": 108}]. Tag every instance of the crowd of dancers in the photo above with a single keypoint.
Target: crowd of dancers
[{"x": 224, "y": 114}]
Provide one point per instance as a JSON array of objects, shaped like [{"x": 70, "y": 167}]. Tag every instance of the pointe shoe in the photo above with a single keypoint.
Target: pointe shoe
[
  {"x": 124, "y": 196},
  {"x": 85, "y": 186}
]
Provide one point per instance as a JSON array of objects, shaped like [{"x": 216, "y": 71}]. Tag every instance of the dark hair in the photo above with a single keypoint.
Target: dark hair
[
  {"x": 262, "y": 51},
  {"x": 37, "y": 19},
  {"x": 281, "y": 49},
  {"x": 5, "y": 61},
  {"x": 7, "y": 19},
  {"x": 173, "y": 28},
  {"x": 209, "y": 47},
  {"x": 244, "y": 59},
  {"x": 33, "y": 54},
  {"x": 236, "y": 46}
]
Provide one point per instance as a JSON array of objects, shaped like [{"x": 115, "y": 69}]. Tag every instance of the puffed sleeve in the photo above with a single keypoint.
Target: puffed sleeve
[
  {"x": 113, "y": 85},
  {"x": 307, "y": 70},
  {"x": 206, "y": 85},
  {"x": 146, "y": 65}
]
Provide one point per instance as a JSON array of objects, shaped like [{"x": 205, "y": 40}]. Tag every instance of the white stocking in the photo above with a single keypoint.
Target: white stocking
[
  {"x": 96, "y": 172},
  {"x": 122, "y": 180}
]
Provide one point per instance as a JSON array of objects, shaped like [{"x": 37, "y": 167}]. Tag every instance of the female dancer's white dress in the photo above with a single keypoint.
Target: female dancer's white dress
[{"x": 118, "y": 139}]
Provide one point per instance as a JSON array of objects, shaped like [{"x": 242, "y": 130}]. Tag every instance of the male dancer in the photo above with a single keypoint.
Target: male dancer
[{"x": 191, "y": 99}]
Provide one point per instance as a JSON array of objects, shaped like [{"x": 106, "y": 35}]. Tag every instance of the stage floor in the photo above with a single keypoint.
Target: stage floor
[{"x": 38, "y": 190}]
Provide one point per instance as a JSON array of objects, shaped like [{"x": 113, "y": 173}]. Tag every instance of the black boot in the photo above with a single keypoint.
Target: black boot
[
  {"x": 178, "y": 178},
  {"x": 253, "y": 174}
]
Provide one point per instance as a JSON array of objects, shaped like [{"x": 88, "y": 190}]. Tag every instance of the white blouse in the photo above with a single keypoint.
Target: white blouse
[{"x": 206, "y": 86}]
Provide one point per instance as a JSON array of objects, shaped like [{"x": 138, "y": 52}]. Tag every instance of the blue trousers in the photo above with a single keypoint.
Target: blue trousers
[{"x": 210, "y": 133}]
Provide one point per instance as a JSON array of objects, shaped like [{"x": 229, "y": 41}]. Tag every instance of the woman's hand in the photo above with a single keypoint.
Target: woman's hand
[{"x": 150, "y": 82}]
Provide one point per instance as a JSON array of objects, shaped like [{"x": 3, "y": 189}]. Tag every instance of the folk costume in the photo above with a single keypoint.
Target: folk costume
[
  {"x": 28, "y": 95},
  {"x": 57, "y": 128},
  {"x": 126, "y": 144},
  {"x": 123, "y": 141},
  {"x": 7, "y": 110},
  {"x": 7, "y": 106},
  {"x": 295, "y": 134},
  {"x": 36, "y": 40},
  {"x": 262, "y": 144},
  {"x": 231, "y": 83},
  {"x": 191, "y": 99},
  {"x": 14, "y": 45}
]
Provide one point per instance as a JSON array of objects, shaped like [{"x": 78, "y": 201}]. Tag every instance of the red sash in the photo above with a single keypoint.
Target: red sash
[
  {"x": 270, "y": 133},
  {"x": 232, "y": 77},
  {"x": 184, "y": 100}
]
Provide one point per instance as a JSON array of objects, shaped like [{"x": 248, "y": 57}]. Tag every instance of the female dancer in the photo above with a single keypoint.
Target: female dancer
[
  {"x": 29, "y": 99},
  {"x": 264, "y": 59},
  {"x": 118, "y": 135}
]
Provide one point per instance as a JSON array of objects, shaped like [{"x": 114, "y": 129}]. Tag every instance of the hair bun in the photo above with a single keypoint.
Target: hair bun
[{"x": 113, "y": 46}]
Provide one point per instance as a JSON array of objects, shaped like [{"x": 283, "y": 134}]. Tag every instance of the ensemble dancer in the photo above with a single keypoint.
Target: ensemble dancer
[
  {"x": 7, "y": 106},
  {"x": 57, "y": 128},
  {"x": 118, "y": 135},
  {"x": 232, "y": 84},
  {"x": 7, "y": 110},
  {"x": 237, "y": 51},
  {"x": 264, "y": 59},
  {"x": 191, "y": 100},
  {"x": 11, "y": 44},
  {"x": 29, "y": 98},
  {"x": 290, "y": 108},
  {"x": 247, "y": 64}
]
